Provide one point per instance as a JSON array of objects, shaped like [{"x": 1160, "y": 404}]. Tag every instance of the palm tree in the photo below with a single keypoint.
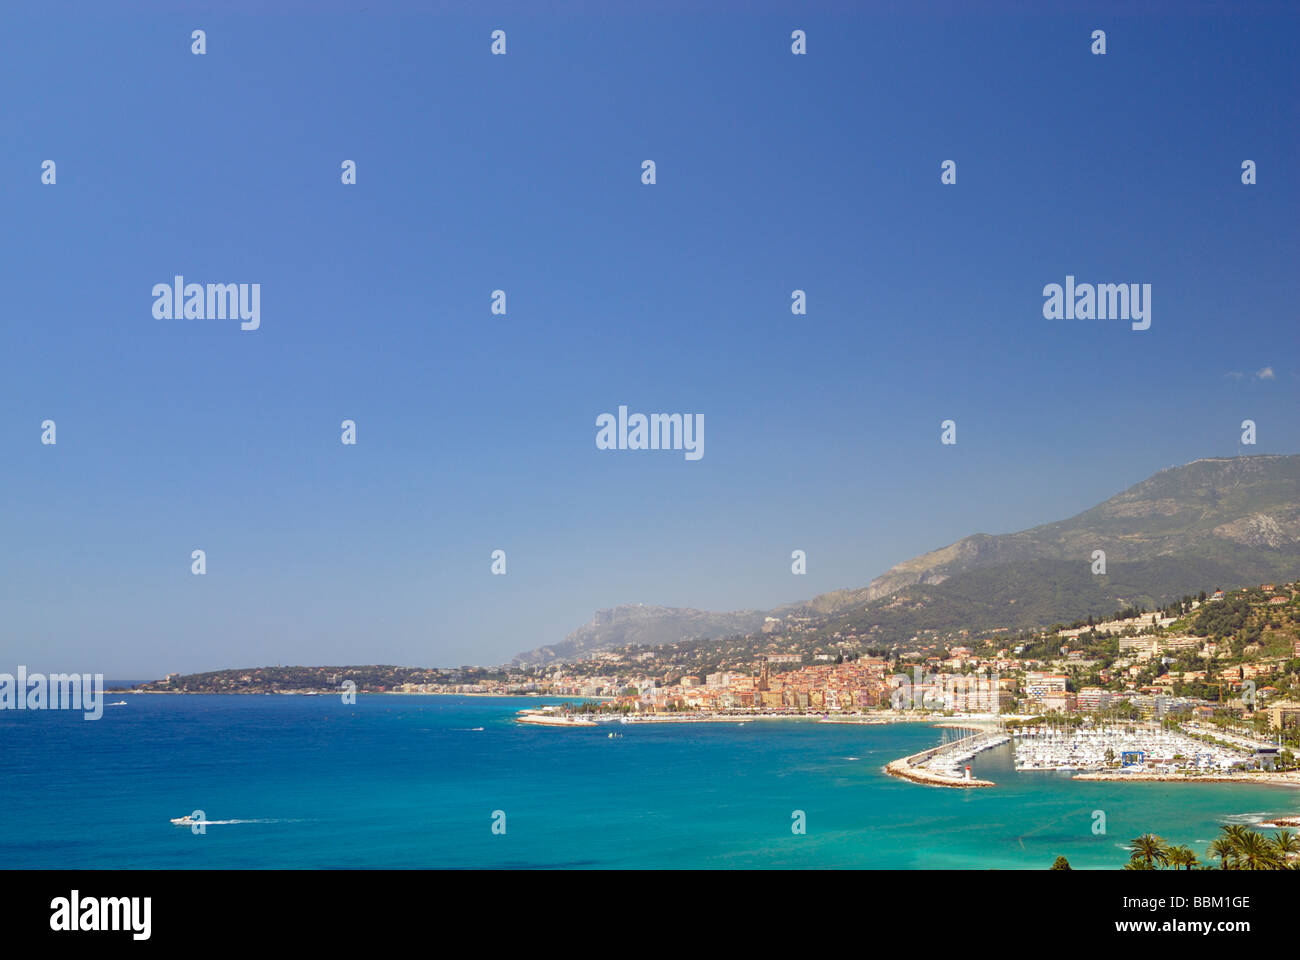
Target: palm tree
[
  {"x": 1256, "y": 852},
  {"x": 1150, "y": 849},
  {"x": 1224, "y": 849},
  {"x": 1286, "y": 842},
  {"x": 1181, "y": 856},
  {"x": 1236, "y": 833}
]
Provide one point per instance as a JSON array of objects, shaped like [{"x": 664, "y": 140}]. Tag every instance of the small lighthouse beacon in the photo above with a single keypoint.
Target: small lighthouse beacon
[{"x": 967, "y": 771}]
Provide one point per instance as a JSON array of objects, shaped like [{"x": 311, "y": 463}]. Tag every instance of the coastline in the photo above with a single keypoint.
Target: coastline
[
  {"x": 535, "y": 716},
  {"x": 973, "y": 723},
  {"x": 336, "y": 693},
  {"x": 1288, "y": 778}
]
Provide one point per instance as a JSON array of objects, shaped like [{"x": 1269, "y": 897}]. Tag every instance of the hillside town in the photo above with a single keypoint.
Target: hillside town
[
  {"x": 1227, "y": 660},
  {"x": 1204, "y": 689},
  {"x": 1237, "y": 652}
]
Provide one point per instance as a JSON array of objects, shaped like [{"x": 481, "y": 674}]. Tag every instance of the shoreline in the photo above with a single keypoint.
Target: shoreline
[
  {"x": 847, "y": 719},
  {"x": 1289, "y": 778},
  {"x": 337, "y": 693}
]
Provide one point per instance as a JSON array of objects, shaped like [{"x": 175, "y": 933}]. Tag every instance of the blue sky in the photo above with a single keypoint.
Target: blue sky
[{"x": 522, "y": 172}]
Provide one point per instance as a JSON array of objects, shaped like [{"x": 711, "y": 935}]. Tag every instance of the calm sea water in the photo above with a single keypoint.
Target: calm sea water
[{"x": 407, "y": 781}]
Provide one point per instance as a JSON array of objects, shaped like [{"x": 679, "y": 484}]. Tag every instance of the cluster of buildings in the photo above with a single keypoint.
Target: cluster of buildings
[
  {"x": 1142, "y": 681},
  {"x": 856, "y": 685}
]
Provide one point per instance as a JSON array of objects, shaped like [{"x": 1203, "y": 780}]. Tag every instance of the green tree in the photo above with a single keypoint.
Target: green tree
[
  {"x": 1286, "y": 842},
  {"x": 1224, "y": 850},
  {"x": 1256, "y": 852},
  {"x": 1150, "y": 850},
  {"x": 1061, "y": 864},
  {"x": 1182, "y": 856}
]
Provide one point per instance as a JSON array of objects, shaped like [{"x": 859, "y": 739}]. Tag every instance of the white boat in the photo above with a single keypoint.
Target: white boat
[
  {"x": 187, "y": 819},
  {"x": 120, "y": 703}
]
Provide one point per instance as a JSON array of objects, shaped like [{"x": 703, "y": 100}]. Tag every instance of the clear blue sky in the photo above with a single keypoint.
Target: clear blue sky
[{"x": 522, "y": 172}]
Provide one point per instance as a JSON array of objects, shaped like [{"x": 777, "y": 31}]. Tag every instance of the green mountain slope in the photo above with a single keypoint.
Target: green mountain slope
[
  {"x": 1235, "y": 519},
  {"x": 1211, "y": 523}
]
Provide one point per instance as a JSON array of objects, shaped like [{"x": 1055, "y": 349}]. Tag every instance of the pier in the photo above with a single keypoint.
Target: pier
[{"x": 942, "y": 766}]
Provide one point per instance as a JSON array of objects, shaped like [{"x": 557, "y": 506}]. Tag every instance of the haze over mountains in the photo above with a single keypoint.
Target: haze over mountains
[{"x": 1211, "y": 523}]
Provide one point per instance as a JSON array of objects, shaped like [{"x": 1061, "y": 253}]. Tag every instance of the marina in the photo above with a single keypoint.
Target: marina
[{"x": 1124, "y": 748}]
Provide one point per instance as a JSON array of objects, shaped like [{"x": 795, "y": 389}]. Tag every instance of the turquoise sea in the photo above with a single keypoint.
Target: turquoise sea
[{"x": 412, "y": 781}]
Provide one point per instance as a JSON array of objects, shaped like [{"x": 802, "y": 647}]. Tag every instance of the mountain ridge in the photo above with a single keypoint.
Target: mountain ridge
[{"x": 1235, "y": 519}]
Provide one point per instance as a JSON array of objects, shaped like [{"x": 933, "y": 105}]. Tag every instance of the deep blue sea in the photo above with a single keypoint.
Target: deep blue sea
[{"x": 412, "y": 781}]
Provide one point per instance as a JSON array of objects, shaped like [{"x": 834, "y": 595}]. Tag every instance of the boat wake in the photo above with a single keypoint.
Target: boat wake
[{"x": 185, "y": 822}]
